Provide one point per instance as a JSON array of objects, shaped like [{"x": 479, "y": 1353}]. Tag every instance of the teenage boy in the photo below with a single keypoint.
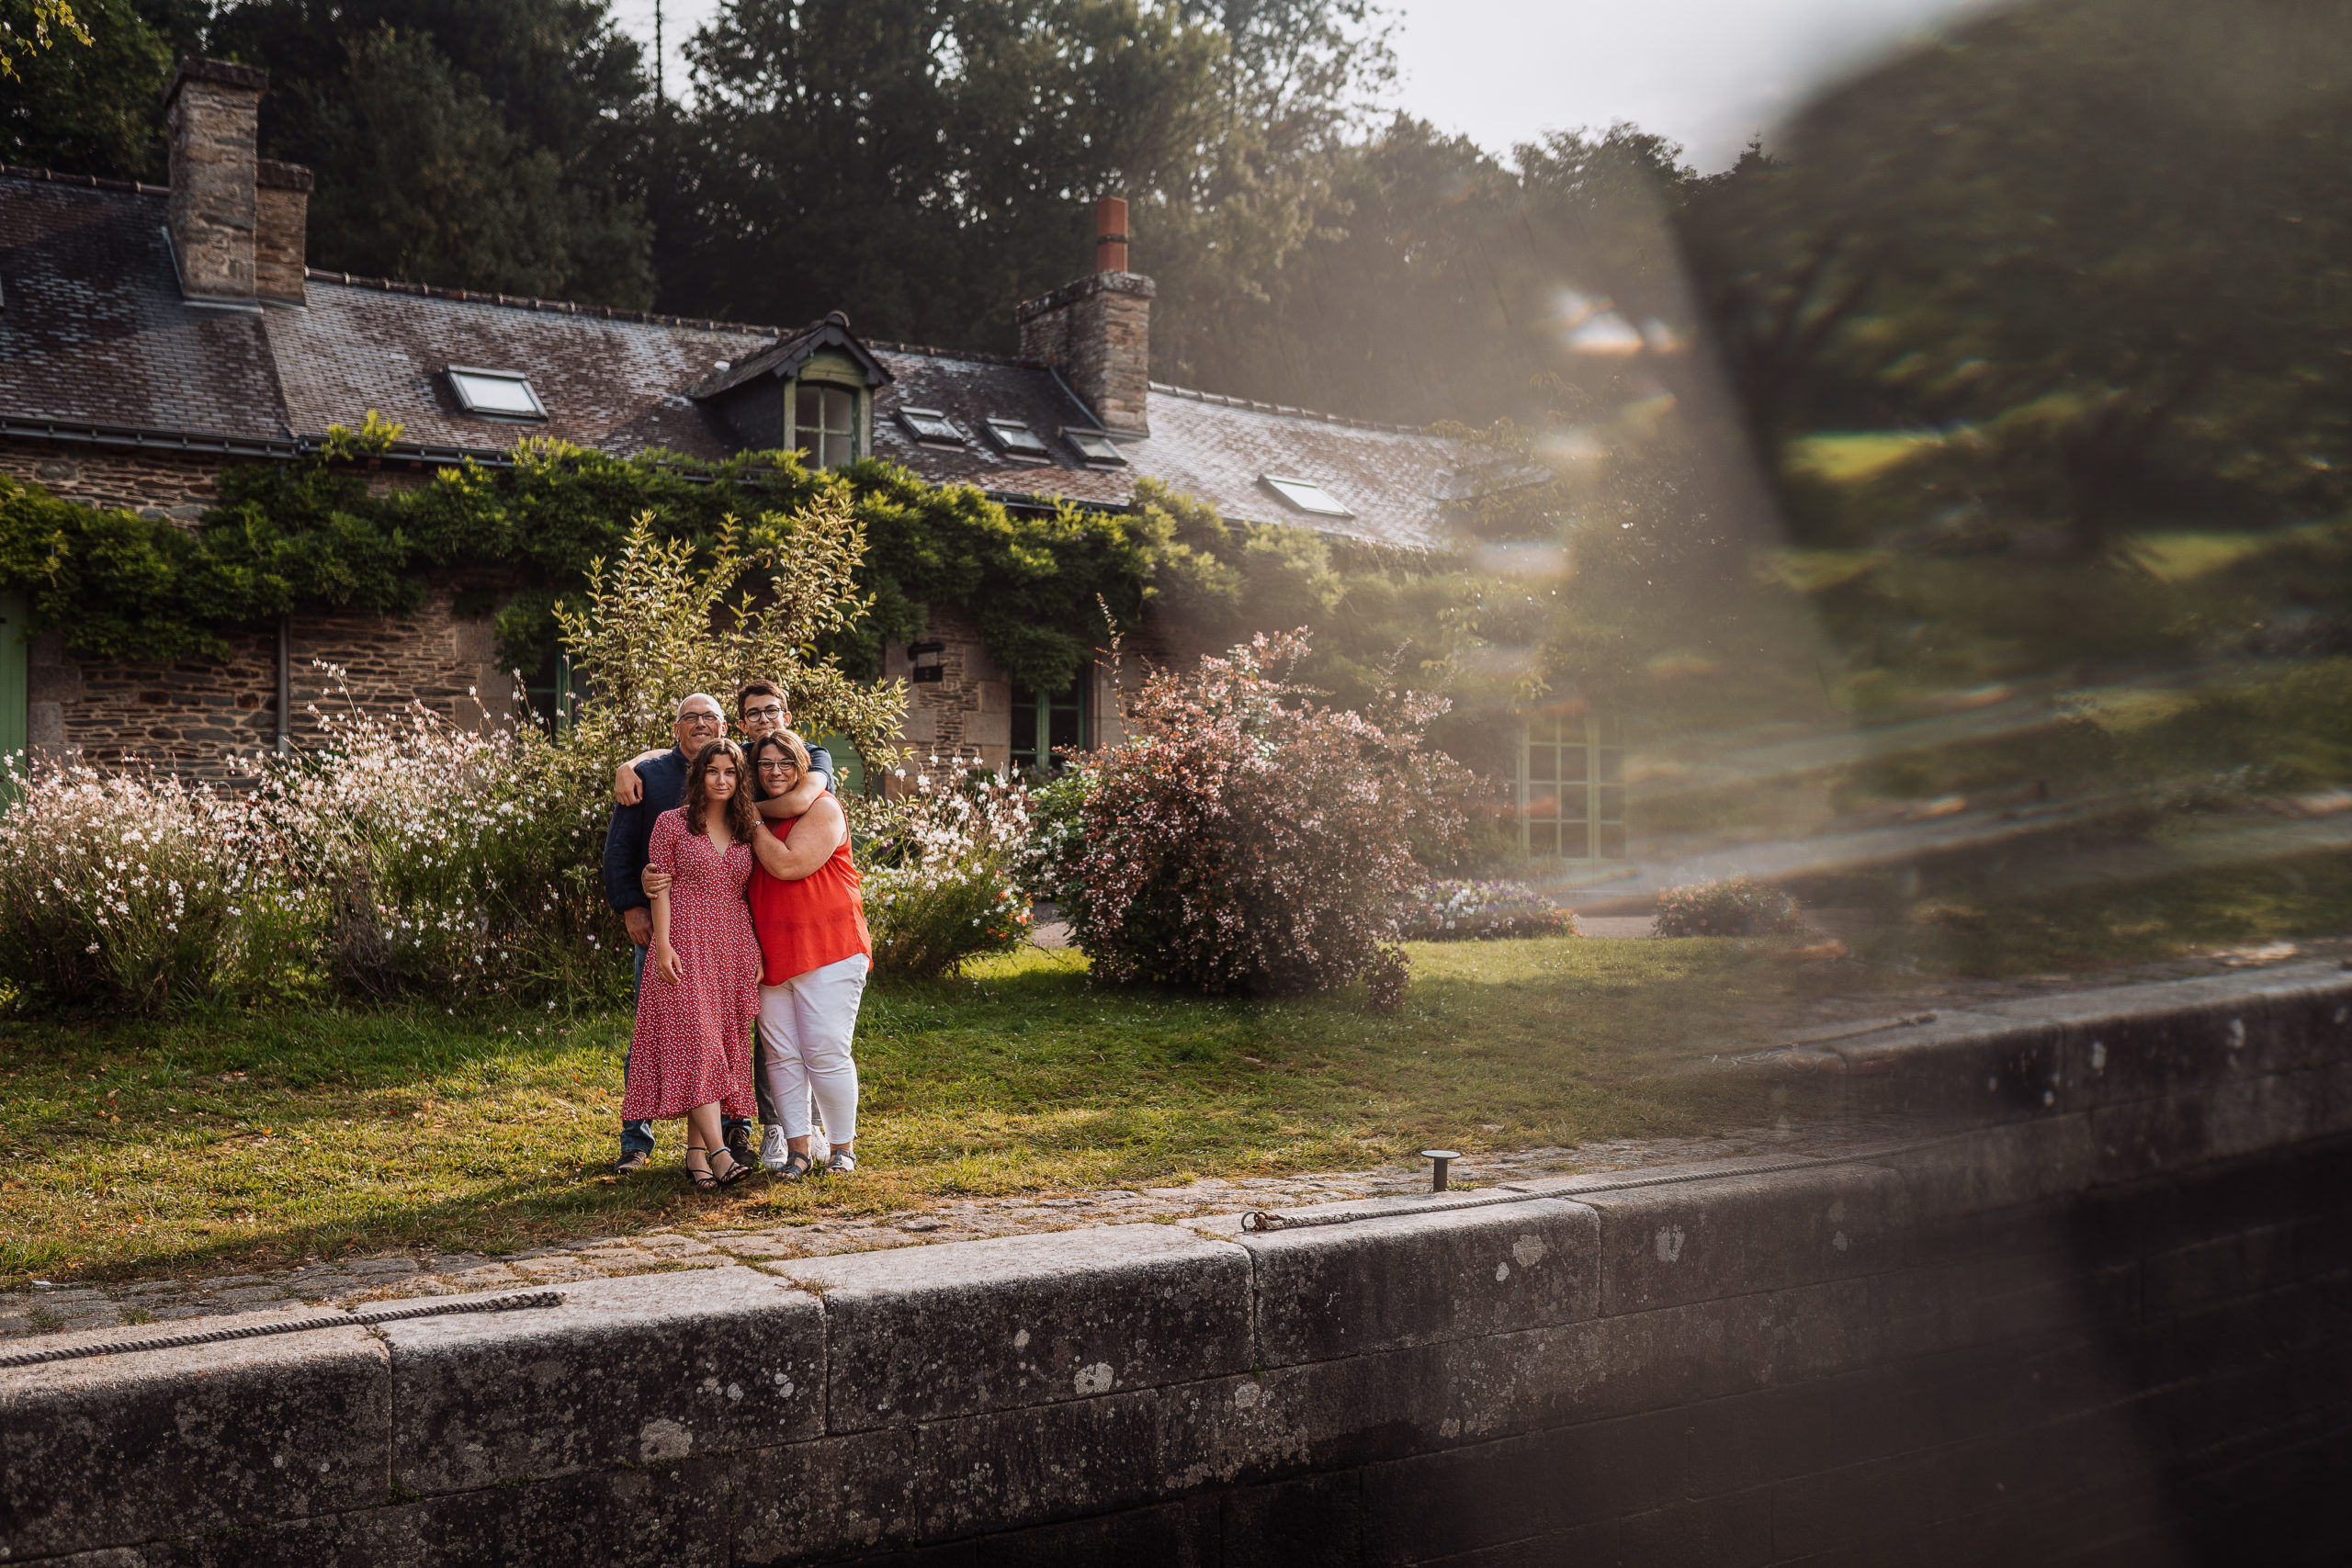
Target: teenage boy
[{"x": 760, "y": 706}]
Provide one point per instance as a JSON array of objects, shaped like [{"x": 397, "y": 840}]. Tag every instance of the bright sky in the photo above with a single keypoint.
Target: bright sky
[{"x": 1707, "y": 72}]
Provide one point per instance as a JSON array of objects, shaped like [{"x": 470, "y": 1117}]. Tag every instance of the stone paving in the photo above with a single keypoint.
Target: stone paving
[{"x": 394, "y": 1276}]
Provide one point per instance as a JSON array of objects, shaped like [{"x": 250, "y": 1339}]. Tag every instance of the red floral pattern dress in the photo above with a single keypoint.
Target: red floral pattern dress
[{"x": 692, "y": 1042}]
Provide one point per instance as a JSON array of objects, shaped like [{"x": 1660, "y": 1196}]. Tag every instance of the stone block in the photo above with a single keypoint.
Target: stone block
[
  {"x": 1716, "y": 1532},
  {"x": 627, "y": 1371},
  {"x": 1316, "y": 1521},
  {"x": 115, "y": 1449},
  {"x": 894, "y": 1487},
  {"x": 2141, "y": 1042},
  {"x": 1381, "y": 1284},
  {"x": 1435, "y": 1507},
  {"x": 1174, "y": 1535},
  {"x": 1968, "y": 1065},
  {"x": 674, "y": 1515},
  {"x": 934, "y": 1332},
  {"x": 2139, "y": 1138},
  {"x": 1739, "y": 1234},
  {"x": 2007, "y": 1165}
]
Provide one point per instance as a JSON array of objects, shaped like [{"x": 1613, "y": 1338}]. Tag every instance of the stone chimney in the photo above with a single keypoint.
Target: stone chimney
[
  {"x": 281, "y": 231},
  {"x": 211, "y": 111},
  {"x": 1097, "y": 331}
]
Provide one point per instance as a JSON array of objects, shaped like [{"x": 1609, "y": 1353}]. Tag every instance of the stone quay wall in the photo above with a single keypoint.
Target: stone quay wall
[{"x": 2091, "y": 1309}]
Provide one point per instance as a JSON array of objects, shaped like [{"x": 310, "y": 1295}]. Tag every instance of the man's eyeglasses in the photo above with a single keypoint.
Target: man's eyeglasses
[
  {"x": 699, "y": 718},
  {"x": 771, "y": 711}
]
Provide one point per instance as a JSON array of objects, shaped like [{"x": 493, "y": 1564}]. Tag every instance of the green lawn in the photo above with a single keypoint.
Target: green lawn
[
  {"x": 221, "y": 1141},
  {"x": 211, "y": 1142}
]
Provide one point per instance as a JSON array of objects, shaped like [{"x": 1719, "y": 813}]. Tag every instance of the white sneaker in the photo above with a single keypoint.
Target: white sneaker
[{"x": 772, "y": 1151}]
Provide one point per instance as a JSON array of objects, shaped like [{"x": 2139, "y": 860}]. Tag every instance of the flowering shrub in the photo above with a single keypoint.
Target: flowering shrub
[
  {"x": 1386, "y": 977},
  {"x": 133, "y": 890},
  {"x": 1244, "y": 837},
  {"x": 1737, "y": 905},
  {"x": 1460, "y": 911},
  {"x": 451, "y": 861},
  {"x": 1057, "y": 832},
  {"x": 937, "y": 867}
]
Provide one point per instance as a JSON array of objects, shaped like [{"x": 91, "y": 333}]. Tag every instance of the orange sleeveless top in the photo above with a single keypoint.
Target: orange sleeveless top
[{"x": 808, "y": 924}]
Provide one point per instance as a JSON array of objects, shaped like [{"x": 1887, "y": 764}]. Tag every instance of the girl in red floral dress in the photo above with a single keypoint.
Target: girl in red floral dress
[{"x": 690, "y": 1055}]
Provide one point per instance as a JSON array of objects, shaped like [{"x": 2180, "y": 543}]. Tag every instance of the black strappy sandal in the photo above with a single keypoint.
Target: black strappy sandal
[
  {"x": 736, "y": 1171},
  {"x": 702, "y": 1177},
  {"x": 794, "y": 1166}
]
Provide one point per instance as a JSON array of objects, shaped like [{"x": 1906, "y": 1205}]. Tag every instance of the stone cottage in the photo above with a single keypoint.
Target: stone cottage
[{"x": 152, "y": 335}]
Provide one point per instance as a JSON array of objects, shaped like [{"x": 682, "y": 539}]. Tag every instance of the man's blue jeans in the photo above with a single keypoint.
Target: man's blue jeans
[{"x": 637, "y": 1137}]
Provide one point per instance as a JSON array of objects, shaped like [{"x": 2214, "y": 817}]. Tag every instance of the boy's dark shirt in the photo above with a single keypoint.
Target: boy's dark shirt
[{"x": 628, "y": 841}]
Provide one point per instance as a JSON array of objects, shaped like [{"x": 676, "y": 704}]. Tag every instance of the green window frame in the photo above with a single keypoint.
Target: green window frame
[
  {"x": 1047, "y": 727},
  {"x": 1571, "y": 785}
]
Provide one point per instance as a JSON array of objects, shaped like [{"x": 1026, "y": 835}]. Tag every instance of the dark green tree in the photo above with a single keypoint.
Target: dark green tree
[
  {"x": 475, "y": 143},
  {"x": 97, "y": 108}
]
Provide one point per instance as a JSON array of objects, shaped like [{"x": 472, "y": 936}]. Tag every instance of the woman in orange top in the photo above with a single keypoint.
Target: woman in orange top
[{"x": 815, "y": 954}]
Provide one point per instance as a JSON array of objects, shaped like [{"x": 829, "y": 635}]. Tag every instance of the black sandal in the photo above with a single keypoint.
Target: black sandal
[
  {"x": 796, "y": 1167},
  {"x": 704, "y": 1178},
  {"x": 736, "y": 1171}
]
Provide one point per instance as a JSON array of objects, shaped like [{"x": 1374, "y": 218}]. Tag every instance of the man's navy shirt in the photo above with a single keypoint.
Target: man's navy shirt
[{"x": 630, "y": 840}]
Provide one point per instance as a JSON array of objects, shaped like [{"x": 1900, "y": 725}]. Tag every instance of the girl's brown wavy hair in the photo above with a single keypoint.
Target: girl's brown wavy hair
[{"x": 740, "y": 817}]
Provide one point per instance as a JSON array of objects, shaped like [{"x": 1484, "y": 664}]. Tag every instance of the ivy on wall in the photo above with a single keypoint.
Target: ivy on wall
[
  {"x": 514, "y": 539},
  {"x": 123, "y": 587}
]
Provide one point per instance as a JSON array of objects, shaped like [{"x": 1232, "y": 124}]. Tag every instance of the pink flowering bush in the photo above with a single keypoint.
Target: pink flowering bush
[
  {"x": 1244, "y": 837},
  {"x": 1737, "y": 906},
  {"x": 936, "y": 865}
]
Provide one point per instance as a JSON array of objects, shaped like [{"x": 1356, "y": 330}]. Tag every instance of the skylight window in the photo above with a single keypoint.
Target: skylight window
[
  {"x": 1018, "y": 440},
  {"x": 930, "y": 425},
  {"x": 1096, "y": 447},
  {"x": 500, "y": 394},
  {"x": 1307, "y": 495}
]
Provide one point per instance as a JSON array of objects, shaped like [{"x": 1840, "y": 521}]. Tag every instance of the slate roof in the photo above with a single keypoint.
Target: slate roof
[{"x": 96, "y": 344}]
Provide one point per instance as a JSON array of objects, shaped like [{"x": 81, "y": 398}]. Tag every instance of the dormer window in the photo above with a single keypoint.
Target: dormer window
[
  {"x": 1307, "y": 495},
  {"x": 495, "y": 394},
  {"x": 1018, "y": 440},
  {"x": 824, "y": 422},
  {"x": 1098, "y": 450},
  {"x": 930, "y": 427}
]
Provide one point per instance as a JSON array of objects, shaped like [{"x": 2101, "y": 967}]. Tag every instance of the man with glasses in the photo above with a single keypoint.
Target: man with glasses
[{"x": 636, "y": 787}]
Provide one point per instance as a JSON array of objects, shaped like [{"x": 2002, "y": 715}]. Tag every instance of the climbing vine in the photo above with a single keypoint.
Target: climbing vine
[{"x": 123, "y": 587}]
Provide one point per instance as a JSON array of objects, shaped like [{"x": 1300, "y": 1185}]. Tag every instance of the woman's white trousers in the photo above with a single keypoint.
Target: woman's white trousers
[{"x": 806, "y": 1024}]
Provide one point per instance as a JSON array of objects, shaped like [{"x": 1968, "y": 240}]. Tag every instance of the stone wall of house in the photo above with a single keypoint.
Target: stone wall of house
[
  {"x": 194, "y": 716},
  {"x": 178, "y": 485}
]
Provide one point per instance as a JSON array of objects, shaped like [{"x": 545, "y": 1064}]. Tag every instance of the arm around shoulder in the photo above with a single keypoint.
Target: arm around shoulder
[{"x": 814, "y": 837}]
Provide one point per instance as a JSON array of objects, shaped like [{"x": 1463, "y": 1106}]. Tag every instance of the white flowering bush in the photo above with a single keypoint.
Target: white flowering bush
[
  {"x": 442, "y": 859},
  {"x": 134, "y": 890},
  {"x": 937, "y": 866},
  {"x": 1452, "y": 909}
]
